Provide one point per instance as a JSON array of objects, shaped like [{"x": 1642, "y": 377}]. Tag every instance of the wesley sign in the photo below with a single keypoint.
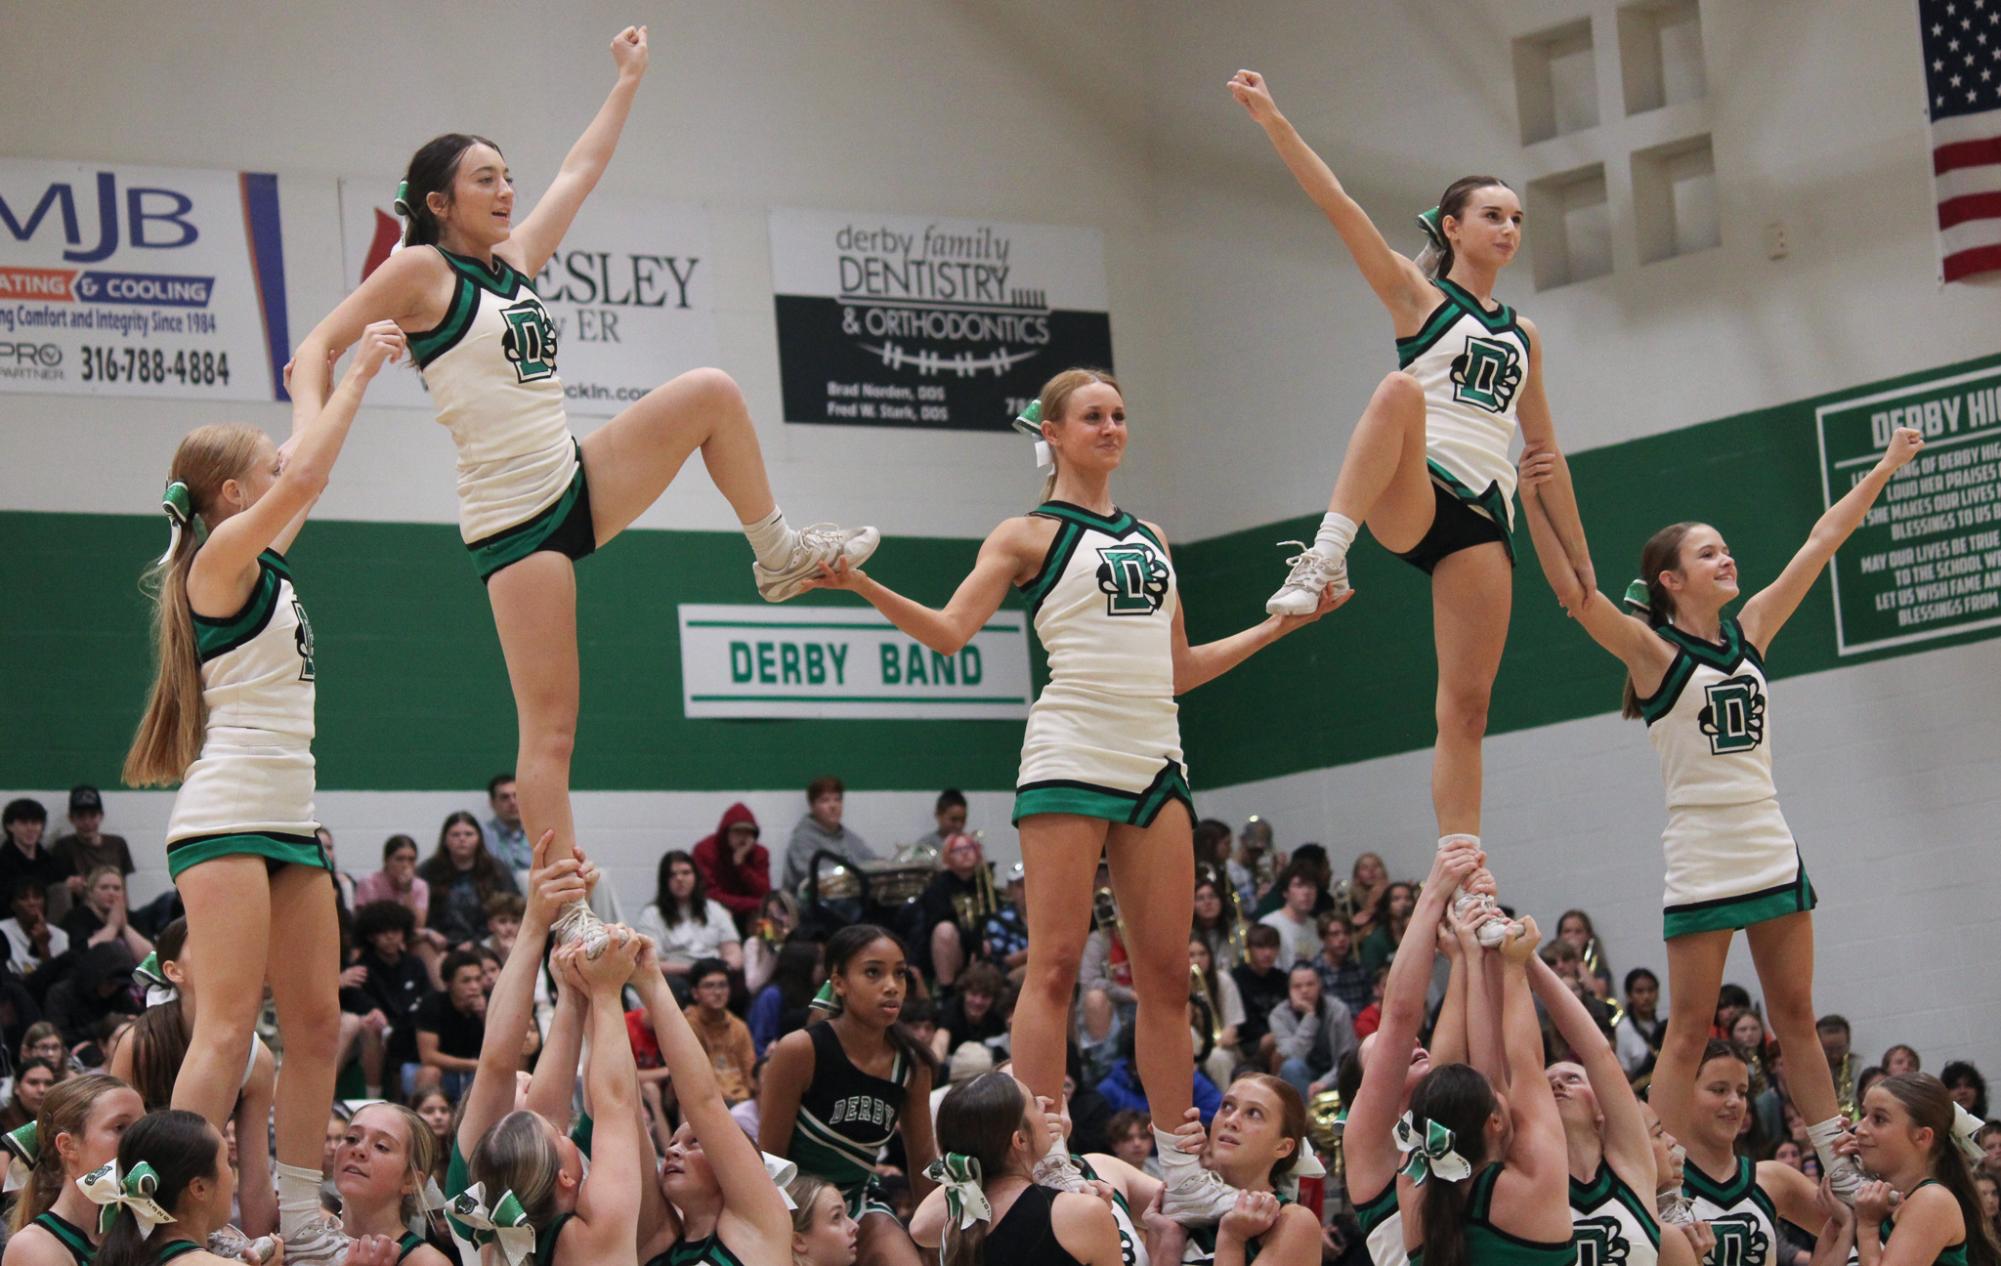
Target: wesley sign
[{"x": 762, "y": 661}]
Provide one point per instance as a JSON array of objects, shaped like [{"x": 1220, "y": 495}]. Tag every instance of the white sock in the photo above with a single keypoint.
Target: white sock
[
  {"x": 1824, "y": 1135},
  {"x": 1336, "y": 534},
  {"x": 298, "y": 1197},
  {"x": 770, "y": 538},
  {"x": 1173, "y": 1161},
  {"x": 1443, "y": 840}
]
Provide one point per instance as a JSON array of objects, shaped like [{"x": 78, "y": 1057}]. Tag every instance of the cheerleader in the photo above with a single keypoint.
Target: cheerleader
[
  {"x": 1101, "y": 769},
  {"x": 837, "y": 1090},
  {"x": 1427, "y": 466},
  {"x": 1697, "y": 676},
  {"x": 77, "y": 1132},
  {"x": 533, "y": 500},
  {"x": 231, "y": 720},
  {"x": 988, "y": 1210},
  {"x": 1923, "y": 1210}
]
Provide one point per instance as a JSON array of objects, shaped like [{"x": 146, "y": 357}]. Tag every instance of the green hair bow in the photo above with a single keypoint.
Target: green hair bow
[
  {"x": 1429, "y": 1154},
  {"x": 112, "y": 1192},
  {"x": 1029, "y": 422},
  {"x": 25, "y": 1142},
  {"x": 505, "y": 1225},
  {"x": 965, "y": 1199},
  {"x": 1639, "y": 597}
]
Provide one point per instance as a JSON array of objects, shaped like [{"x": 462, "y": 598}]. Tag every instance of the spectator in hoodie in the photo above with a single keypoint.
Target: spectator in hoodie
[
  {"x": 685, "y": 924},
  {"x": 821, "y": 829},
  {"x": 735, "y": 868},
  {"x": 1313, "y": 1032}
]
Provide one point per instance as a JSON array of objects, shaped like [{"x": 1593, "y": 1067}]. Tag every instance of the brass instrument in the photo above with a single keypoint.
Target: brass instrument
[
  {"x": 1344, "y": 898},
  {"x": 1594, "y": 955},
  {"x": 1198, "y": 988},
  {"x": 973, "y": 909},
  {"x": 1323, "y": 1129},
  {"x": 1105, "y": 914},
  {"x": 1844, "y": 1085}
]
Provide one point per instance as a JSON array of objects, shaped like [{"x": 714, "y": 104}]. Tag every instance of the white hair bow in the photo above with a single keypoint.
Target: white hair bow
[
  {"x": 506, "y": 1224},
  {"x": 111, "y": 1191},
  {"x": 1305, "y": 1164},
  {"x": 1966, "y": 1133},
  {"x": 781, "y": 1172}
]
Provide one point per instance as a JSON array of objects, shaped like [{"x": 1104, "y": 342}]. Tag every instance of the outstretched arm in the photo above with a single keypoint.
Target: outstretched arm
[
  {"x": 607, "y": 1223},
  {"x": 1538, "y": 1151},
  {"x": 1398, "y": 282},
  {"x": 1197, "y": 665},
  {"x": 304, "y": 467},
  {"x": 748, "y": 1193},
  {"x": 1628, "y": 638},
  {"x": 978, "y": 596},
  {"x": 536, "y": 239},
  {"x": 511, "y": 1008},
  {"x": 1626, "y": 1143},
  {"x": 1767, "y": 611},
  {"x": 552, "y": 1090},
  {"x": 1558, "y": 496}
]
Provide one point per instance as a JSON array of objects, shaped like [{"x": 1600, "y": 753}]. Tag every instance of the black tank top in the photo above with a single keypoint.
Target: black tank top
[{"x": 1024, "y": 1237}]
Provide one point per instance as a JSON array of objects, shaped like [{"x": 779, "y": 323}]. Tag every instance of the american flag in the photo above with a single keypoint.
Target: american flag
[{"x": 1962, "y": 42}]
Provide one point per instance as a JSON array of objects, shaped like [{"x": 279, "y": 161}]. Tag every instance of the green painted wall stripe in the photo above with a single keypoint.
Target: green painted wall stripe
[
  {"x": 413, "y": 694},
  {"x": 412, "y": 691},
  {"x": 1359, "y": 684}
]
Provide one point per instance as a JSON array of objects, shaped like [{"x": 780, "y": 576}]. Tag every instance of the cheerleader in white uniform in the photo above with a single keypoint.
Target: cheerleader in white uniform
[
  {"x": 532, "y": 499},
  {"x": 1697, "y": 677},
  {"x": 1101, "y": 769},
  {"x": 1427, "y": 466},
  {"x": 231, "y": 720}
]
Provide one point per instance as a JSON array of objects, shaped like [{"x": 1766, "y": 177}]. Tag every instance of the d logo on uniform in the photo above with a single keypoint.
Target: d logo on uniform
[{"x": 529, "y": 342}]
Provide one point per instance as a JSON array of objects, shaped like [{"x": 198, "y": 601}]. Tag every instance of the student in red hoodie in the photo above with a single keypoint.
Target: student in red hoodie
[{"x": 734, "y": 866}]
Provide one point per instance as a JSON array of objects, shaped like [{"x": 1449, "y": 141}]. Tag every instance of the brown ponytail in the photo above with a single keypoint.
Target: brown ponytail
[
  {"x": 170, "y": 733},
  {"x": 1055, "y": 398},
  {"x": 1930, "y": 1106},
  {"x": 1662, "y": 552}
]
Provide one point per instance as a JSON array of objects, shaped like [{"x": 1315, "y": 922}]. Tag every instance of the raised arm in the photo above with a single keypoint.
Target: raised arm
[
  {"x": 1538, "y": 1152},
  {"x": 1628, "y": 638},
  {"x": 1197, "y": 665},
  {"x": 303, "y": 470},
  {"x": 748, "y": 1193},
  {"x": 1768, "y": 610},
  {"x": 1627, "y": 1145},
  {"x": 979, "y": 595},
  {"x": 608, "y": 1202},
  {"x": 1485, "y": 1049},
  {"x": 1558, "y": 496},
  {"x": 552, "y": 1090},
  {"x": 1398, "y": 282},
  {"x": 536, "y": 238},
  {"x": 1448, "y": 1032},
  {"x": 512, "y": 1005},
  {"x": 405, "y": 289},
  {"x": 1370, "y": 1154}
]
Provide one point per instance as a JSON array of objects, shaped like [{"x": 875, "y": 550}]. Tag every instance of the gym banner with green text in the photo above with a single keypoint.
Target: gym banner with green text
[
  {"x": 1926, "y": 562},
  {"x": 761, "y": 661}
]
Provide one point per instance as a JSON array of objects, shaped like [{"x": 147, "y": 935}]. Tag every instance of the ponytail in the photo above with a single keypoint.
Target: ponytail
[
  {"x": 180, "y": 1147},
  {"x": 169, "y": 737},
  {"x": 1648, "y": 598},
  {"x": 1930, "y": 1105},
  {"x": 977, "y": 1124},
  {"x": 1459, "y": 1098}
]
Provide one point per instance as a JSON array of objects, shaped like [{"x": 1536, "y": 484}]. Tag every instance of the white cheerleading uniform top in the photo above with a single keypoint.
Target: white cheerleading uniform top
[
  {"x": 1710, "y": 722},
  {"x": 1610, "y": 1225},
  {"x": 1472, "y": 364},
  {"x": 255, "y": 771},
  {"x": 1382, "y": 1227},
  {"x": 1739, "y": 1212},
  {"x": 1103, "y": 737},
  {"x": 490, "y": 367},
  {"x": 1107, "y": 620},
  {"x": 1132, "y": 1242}
]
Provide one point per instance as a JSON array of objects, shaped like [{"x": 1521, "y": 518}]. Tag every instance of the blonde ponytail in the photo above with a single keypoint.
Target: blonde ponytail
[{"x": 169, "y": 737}]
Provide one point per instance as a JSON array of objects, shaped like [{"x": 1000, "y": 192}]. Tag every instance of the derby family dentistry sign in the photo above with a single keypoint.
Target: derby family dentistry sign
[{"x": 757, "y": 661}]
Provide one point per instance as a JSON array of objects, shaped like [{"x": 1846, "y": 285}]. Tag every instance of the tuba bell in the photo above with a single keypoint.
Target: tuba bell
[{"x": 1323, "y": 1128}]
